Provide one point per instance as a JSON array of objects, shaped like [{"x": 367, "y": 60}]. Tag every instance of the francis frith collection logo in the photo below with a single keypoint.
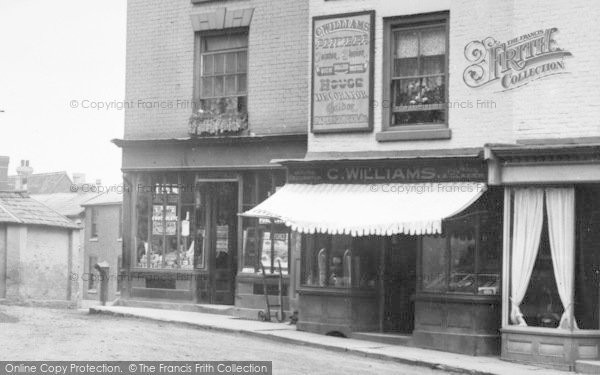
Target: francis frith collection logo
[{"x": 515, "y": 62}]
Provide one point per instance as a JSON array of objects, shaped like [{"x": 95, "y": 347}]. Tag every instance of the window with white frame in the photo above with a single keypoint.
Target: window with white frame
[
  {"x": 221, "y": 87},
  {"x": 418, "y": 71}
]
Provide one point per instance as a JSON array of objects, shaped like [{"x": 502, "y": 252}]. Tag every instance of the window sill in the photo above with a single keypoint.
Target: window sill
[
  {"x": 416, "y": 133},
  {"x": 94, "y": 239}
]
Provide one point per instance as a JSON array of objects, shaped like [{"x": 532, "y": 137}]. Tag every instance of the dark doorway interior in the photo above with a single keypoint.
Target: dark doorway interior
[
  {"x": 220, "y": 207},
  {"x": 399, "y": 284}
]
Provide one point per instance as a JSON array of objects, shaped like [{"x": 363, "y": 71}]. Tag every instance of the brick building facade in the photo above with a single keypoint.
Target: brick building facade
[
  {"x": 216, "y": 90},
  {"x": 480, "y": 115}
]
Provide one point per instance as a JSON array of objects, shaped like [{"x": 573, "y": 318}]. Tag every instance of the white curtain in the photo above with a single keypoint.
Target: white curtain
[
  {"x": 527, "y": 227},
  {"x": 560, "y": 206}
]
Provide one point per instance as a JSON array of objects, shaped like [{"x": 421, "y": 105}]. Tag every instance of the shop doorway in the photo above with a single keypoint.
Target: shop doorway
[
  {"x": 217, "y": 219},
  {"x": 399, "y": 276}
]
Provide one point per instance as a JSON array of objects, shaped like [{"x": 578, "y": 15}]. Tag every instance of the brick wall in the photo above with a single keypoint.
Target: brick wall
[
  {"x": 565, "y": 105},
  {"x": 160, "y": 58}
]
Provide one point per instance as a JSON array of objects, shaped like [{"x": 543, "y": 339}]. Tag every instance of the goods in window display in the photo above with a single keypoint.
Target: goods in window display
[{"x": 280, "y": 249}]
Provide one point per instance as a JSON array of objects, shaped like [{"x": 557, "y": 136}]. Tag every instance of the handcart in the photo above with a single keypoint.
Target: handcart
[{"x": 267, "y": 314}]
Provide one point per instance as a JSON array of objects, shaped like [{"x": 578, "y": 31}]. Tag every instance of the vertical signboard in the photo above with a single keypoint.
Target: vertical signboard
[{"x": 342, "y": 73}]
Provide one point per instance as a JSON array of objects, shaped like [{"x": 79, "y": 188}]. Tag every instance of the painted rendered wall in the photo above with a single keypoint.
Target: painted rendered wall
[
  {"x": 44, "y": 264},
  {"x": 107, "y": 246},
  {"x": 160, "y": 60},
  {"x": 565, "y": 105}
]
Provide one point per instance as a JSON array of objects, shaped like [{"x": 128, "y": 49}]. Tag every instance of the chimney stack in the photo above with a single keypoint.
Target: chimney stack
[
  {"x": 23, "y": 172},
  {"x": 4, "y": 172}
]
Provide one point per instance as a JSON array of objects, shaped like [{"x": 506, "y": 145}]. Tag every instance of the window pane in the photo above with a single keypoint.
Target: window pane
[
  {"x": 541, "y": 306},
  {"x": 490, "y": 254},
  {"x": 418, "y": 117},
  {"x": 218, "y": 89},
  {"x": 587, "y": 258},
  {"x": 280, "y": 248},
  {"x": 407, "y": 44},
  {"x": 435, "y": 263},
  {"x": 251, "y": 249},
  {"x": 207, "y": 87},
  {"x": 419, "y": 92},
  {"x": 432, "y": 65},
  {"x": 315, "y": 260},
  {"x": 341, "y": 245},
  {"x": 230, "y": 85},
  {"x": 142, "y": 212},
  {"x": 207, "y": 64},
  {"x": 462, "y": 257},
  {"x": 433, "y": 41},
  {"x": 219, "y": 67},
  {"x": 242, "y": 62},
  {"x": 406, "y": 67},
  {"x": 223, "y": 42},
  {"x": 230, "y": 63},
  {"x": 241, "y": 83}
]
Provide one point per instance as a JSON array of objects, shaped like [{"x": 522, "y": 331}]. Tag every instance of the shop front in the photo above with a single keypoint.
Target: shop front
[
  {"x": 404, "y": 248},
  {"x": 185, "y": 242},
  {"x": 551, "y": 309}
]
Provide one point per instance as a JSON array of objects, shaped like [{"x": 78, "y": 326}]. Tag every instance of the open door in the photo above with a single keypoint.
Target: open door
[{"x": 399, "y": 283}]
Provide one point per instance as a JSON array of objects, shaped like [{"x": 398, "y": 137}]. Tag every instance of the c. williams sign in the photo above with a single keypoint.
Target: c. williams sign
[{"x": 516, "y": 62}]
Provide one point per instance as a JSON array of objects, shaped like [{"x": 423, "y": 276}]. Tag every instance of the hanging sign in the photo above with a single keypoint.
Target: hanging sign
[{"x": 342, "y": 73}]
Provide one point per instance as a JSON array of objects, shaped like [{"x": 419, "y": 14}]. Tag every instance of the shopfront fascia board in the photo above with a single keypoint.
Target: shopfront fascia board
[
  {"x": 543, "y": 164},
  {"x": 228, "y": 154}
]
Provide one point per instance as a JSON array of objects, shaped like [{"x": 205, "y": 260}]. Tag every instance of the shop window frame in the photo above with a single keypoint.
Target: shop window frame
[
  {"x": 253, "y": 197},
  {"x": 416, "y": 131},
  {"x": 354, "y": 283},
  {"x": 480, "y": 214}
]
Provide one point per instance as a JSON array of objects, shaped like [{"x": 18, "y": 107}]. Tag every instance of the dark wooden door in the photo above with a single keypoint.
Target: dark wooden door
[
  {"x": 223, "y": 252},
  {"x": 399, "y": 284}
]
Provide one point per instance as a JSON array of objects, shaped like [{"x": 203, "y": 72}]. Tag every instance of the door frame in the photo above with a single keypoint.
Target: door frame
[{"x": 210, "y": 255}]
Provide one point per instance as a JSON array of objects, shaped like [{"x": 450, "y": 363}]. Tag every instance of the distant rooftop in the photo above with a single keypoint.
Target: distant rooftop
[
  {"x": 44, "y": 183},
  {"x": 68, "y": 204},
  {"x": 104, "y": 199},
  {"x": 19, "y": 208}
]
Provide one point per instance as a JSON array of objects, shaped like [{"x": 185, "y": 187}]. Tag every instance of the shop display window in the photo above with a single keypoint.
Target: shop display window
[
  {"x": 169, "y": 216},
  {"x": 340, "y": 261},
  {"x": 466, "y": 257},
  {"x": 587, "y": 258},
  {"x": 266, "y": 242}
]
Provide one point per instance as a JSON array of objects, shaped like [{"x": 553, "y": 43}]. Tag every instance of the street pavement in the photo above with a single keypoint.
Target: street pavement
[
  {"x": 450, "y": 362},
  {"x": 28, "y": 333}
]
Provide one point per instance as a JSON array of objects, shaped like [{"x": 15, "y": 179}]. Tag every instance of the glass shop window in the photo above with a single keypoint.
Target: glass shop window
[
  {"x": 169, "y": 215},
  {"x": 340, "y": 261},
  {"x": 541, "y": 306},
  {"x": 587, "y": 257},
  {"x": 266, "y": 243},
  {"x": 466, "y": 257}
]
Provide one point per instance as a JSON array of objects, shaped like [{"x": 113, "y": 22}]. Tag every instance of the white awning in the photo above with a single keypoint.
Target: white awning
[{"x": 368, "y": 209}]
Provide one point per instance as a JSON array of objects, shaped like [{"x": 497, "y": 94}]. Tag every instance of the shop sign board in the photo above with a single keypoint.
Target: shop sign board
[
  {"x": 342, "y": 73},
  {"x": 450, "y": 171}
]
